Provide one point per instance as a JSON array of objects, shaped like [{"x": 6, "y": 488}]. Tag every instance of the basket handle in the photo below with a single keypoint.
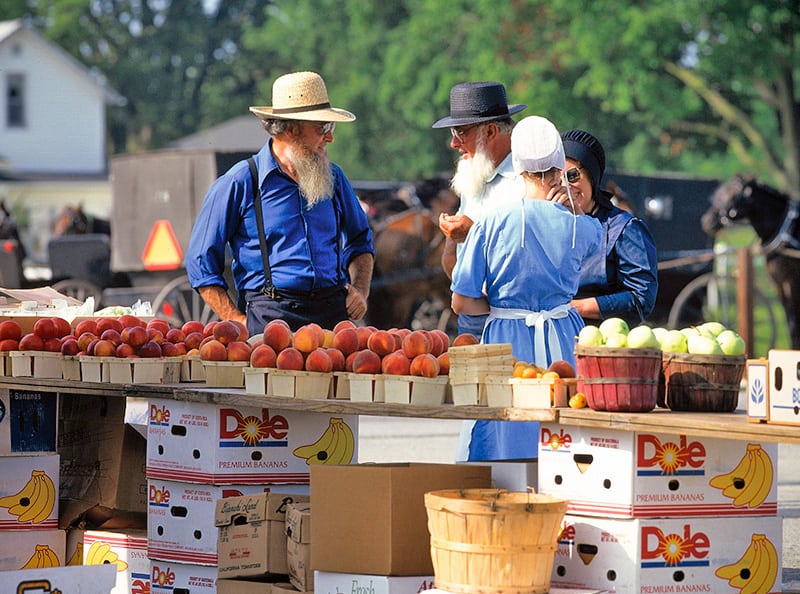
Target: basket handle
[
  {"x": 462, "y": 488},
  {"x": 529, "y": 505}
]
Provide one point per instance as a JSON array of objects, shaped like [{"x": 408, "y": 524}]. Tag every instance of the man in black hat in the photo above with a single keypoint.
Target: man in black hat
[{"x": 480, "y": 125}]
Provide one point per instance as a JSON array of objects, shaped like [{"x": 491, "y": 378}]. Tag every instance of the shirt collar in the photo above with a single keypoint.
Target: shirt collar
[
  {"x": 505, "y": 169},
  {"x": 266, "y": 161}
]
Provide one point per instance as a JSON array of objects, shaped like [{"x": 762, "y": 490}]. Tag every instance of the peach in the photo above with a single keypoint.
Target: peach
[
  {"x": 437, "y": 346},
  {"x": 62, "y": 327},
  {"x": 244, "y": 333},
  {"x": 381, "y": 343},
  {"x": 337, "y": 358},
  {"x": 319, "y": 360},
  {"x": 444, "y": 338},
  {"x": 364, "y": 332},
  {"x": 103, "y": 324},
  {"x": 45, "y": 328},
  {"x": 328, "y": 342},
  {"x": 90, "y": 348},
  {"x": 308, "y": 337},
  {"x": 208, "y": 329},
  {"x": 564, "y": 369},
  {"x": 158, "y": 324},
  {"x": 84, "y": 339},
  {"x": 465, "y": 339},
  {"x": 416, "y": 343},
  {"x": 425, "y": 365},
  {"x": 150, "y": 350},
  {"x": 193, "y": 340},
  {"x": 52, "y": 344},
  {"x": 104, "y": 348},
  {"x": 31, "y": 342},
  {"x": 395, "y": 363},
  {"x": 226, "y": 331},
  {"x": 10, "y": 329},
  {"x": 85, "y": 326},
  {"x": 367, "y": 361},
  {"x": 290, "y": 358},
  {"x": 135, "y": 336},
  {"x": 239, "y": 350},
  {"x": 348, "y": 361},
  {"x": 398, "y": 340},
  {"x": 175, "y": 335},
  {"x": 444, "y": 363},
  {"x": 192, "y": 326},
  {"x": 9, "y": 344},
  {"x": 154, "y": 334},
  {"x": 68, "y": 347},
  {"x": 342, "y": 325},
  {"x": 346, "y": 340},
  {"x": 278, "y": 335},
  {"x": 213, "y": 350},
  {"x": 128, "y": 321},
  {"x": 125, "y": 350},
  {"x": 112, "y": 336},
  {"x": 173, "y": 349},
  {"x": 263, "y": 356}
]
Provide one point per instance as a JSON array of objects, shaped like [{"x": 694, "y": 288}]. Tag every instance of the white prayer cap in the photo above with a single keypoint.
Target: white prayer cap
[{"x": 536, "y": 146}]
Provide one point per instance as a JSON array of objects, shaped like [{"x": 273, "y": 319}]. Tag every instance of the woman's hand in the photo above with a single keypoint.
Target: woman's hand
[{"x": 559, "y": 195}]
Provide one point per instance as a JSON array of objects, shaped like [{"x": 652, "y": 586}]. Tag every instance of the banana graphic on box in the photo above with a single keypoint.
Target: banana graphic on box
[
  {"x": 335, "y": 446},
  {"x": 43, "y": 557},
  {"x": 751, "y": 481},
  {"x": 756, "y": 571},
  {"x": 100, "y": 553},
  {"x": 77, "y": 555},
  {"x": 35, "y": 501}
]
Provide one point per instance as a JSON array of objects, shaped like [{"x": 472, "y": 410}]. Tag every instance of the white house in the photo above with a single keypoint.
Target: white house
[{"x": 53, "y": 144}]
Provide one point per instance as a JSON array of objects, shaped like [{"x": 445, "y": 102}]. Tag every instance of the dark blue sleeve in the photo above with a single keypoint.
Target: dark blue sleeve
[{"x": 356, "y": 232}]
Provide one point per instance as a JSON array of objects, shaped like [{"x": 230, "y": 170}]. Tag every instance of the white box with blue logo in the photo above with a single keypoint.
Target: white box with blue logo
[
  {"x": 28, "y": 422},
  {"x": 757, "y": 374},
  {"x": 218, "y": 444},
  {"x": 167, "y": 577},
  {"x": 784, "y": 387},
  {"x": 670, "y": 555},
  {"x": 610, "y": 473}
]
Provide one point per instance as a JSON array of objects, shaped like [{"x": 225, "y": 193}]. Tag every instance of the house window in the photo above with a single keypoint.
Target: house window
[{"x": 15, "y": 100}]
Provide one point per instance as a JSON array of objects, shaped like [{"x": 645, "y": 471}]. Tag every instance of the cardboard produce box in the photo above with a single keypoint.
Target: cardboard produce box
[
  {"x": 332, "y": 583},
  {"x": 29, "y": 493},
  {"x": 251, "y": 539},
  {"x": 126, "y": 551},
  {"x": 25, "y": 549},
  {"x": 103, "y": 462},
  {"x": 371, "y": 518},
  {"x": 169, "y": 578},
  {"x": 28, "y": 422},
  {"x": 95, "y": 579},
  {"x": 298, "y": 546}
]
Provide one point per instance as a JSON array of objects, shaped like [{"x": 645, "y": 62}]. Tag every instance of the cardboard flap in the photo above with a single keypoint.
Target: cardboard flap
[
  {"x": 298, "y": 522},
  {"x": 279, "y": 504},
  {"x": 246, "y": 509}
]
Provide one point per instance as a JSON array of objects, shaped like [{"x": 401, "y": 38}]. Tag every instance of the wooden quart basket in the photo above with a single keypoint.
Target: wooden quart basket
[
  {"x": 703, "y": 383},
  {"x": 618, "y": 379},
  {"x": 486, "y": 541}
]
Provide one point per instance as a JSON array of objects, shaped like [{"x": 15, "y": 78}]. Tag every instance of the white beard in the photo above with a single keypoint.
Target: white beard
[
  {"x": 472, "y": 174},
  {"x": 314, "y": 174}
]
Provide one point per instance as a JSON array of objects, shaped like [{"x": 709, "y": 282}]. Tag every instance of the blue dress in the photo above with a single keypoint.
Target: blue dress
[{"x": 523, "y": 258}]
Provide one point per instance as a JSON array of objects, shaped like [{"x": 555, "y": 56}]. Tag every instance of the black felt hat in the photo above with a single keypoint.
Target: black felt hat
[{"x": 477, "y": 102}]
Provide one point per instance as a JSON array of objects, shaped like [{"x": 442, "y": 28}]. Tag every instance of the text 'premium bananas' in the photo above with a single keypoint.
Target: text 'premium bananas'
[
  {"x": 35, "y": 501},
  {"x": 335, "y": 446}
]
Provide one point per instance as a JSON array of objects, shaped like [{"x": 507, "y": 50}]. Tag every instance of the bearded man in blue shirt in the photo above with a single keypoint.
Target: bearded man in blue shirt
[{"x": 312, "y": 260}]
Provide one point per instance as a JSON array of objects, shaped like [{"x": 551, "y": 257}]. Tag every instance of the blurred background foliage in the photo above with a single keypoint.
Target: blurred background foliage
[{"x": 700, "y": 87}]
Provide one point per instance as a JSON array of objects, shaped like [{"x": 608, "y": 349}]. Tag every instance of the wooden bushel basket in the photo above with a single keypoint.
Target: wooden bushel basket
[
  {"x": 486, "y": 541},
  {"x": 618, "y": 379},
  {"x": 705, "y": 383}
]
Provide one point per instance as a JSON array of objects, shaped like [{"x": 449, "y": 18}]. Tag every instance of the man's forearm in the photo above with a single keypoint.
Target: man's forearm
[
  {"x": 360, "y": 269},
  {"x": 449, "y": 257},
  {"x": 218, "y": 299}
]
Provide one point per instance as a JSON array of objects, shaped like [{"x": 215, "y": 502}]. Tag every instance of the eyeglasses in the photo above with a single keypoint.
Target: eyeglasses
[
  {"x": 458, "y": 133},
  {"x": 574, "y": 175},
  {"x": 324, "y": 128}
]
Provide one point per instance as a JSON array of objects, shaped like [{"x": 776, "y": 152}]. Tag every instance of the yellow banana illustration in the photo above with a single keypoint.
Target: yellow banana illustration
[
  {"x": 44, "y": 499},
  {"x": 724, "y": 480},
  {"x": 100, "y": 553},
  {"x": 77, "y": 555},
  {"x": 756, "y": 570},
  {"x": 750, "y": 482},
  {"x": 764, "y": 478},
  {"x": 335, "y": 446},
  {"x": 26, "y": 510},
  {"x": 44, "y": 556},
  {"x": 19, "y": 502}
]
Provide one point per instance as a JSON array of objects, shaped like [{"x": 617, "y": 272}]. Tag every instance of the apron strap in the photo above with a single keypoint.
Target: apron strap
[{"x": 538, "y": 320}]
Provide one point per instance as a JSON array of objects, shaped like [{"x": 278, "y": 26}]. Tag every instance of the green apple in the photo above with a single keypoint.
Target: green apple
[
  {"x": 690, "y": 331},
  {"x": 613, "y": 326},
  {"x": 703, "y": 345},
  {"x": 731, "y": 343},
  {"x": 713, "y": 327},
  {"x": 590, "y": 336},
  {"x": 674, "y": 341},
  {"x": 660, "y": 333},
  {"x": 618, "y": 340},
  {"x": 642, "y": 337}
]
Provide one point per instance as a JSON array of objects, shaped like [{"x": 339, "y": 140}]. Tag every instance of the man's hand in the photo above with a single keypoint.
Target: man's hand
[
  {"x": 356, "y": 303},
  {"x": 455, "y": 227}
]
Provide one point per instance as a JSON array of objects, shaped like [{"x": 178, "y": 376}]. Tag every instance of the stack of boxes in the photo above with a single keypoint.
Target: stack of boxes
[
  {"x": 200, "y": 453},
  {"x": 693, "y": 514}
]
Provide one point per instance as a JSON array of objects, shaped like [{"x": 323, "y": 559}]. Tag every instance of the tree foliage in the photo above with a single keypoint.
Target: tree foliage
[{"x": 704, "y": 87}]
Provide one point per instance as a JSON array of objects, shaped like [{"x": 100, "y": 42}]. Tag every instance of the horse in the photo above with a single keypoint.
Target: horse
[
  {"x": 774, "y": 218},
  {"x": 73, "y": 221}
]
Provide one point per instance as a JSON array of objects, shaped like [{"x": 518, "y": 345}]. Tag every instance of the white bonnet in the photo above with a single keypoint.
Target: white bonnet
[{"x": 536, "y": 146}]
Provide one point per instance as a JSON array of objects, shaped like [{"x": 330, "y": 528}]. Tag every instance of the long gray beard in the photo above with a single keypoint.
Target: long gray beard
[
  {"x": 472, "y": 174},
  {"x": 314, "y": 174}
]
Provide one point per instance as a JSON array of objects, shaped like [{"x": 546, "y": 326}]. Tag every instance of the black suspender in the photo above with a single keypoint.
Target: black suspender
[{"x": 269, "y": 288}]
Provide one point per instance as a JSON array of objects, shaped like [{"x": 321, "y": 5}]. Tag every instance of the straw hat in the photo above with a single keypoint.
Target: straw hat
[{"x": 301, "y": 96}]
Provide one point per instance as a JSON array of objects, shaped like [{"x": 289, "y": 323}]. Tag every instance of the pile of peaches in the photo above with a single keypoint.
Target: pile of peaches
[
  {"x": 122, "y": 336},
  {"x": 357, "y": 349}
]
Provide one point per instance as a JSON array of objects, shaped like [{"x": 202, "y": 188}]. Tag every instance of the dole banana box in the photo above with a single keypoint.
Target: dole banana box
[
  {"x": 29, "y": 492},
  {"x": 648, "y": 555},
  {"x": 784, "y": 387},
  {"x": 167, "y": 577},
  {"x": 217, "y": 444},
  {"x": 612, "y": 473},
  {"x": 97, "y": 579},
  {"x": 29, "y": 549},
  {"x": 28, "y": 422},
  {"x": 126, "y": 551},
  {"x": 180, "y": 518}
]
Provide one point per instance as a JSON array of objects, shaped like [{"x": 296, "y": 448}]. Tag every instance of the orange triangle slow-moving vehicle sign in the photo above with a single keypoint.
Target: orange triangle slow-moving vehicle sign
[{"x": 162, "y": 250}]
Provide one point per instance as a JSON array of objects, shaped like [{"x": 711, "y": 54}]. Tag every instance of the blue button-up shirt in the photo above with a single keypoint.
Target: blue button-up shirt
[{"x": 307, "y": 249}]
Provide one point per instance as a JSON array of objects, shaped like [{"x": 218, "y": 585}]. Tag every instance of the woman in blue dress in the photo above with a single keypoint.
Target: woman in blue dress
[{"x": 521, "y": 264}]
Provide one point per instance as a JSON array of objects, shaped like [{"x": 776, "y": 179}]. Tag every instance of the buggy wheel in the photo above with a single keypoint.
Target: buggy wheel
[
  {"x": 80, "y": 289},
  {"x": 432, "y": 313},
  {"x": 178, "y": 303}
]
